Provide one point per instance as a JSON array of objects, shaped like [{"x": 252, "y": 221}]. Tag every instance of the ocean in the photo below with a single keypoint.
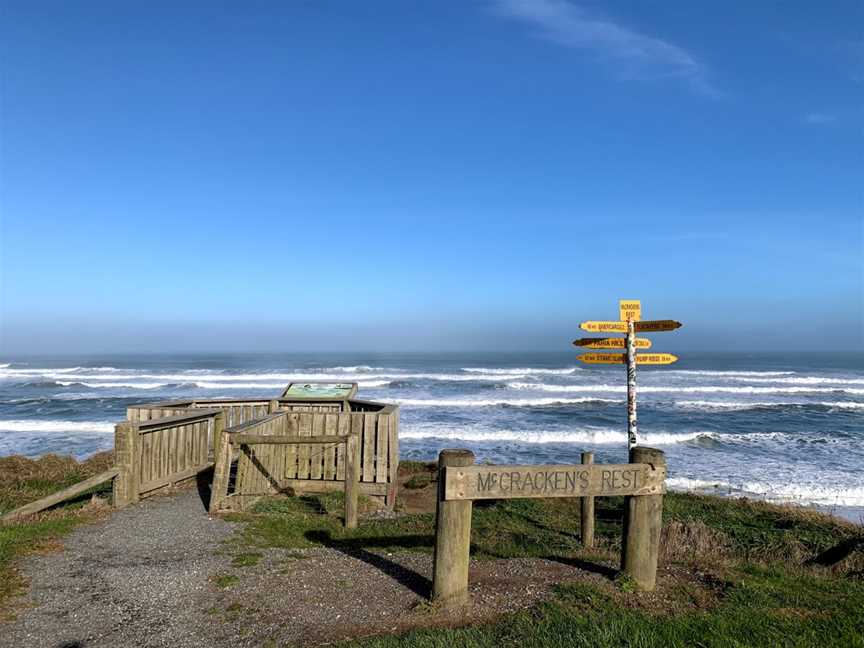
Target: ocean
[{"x": 781, "y": 427}]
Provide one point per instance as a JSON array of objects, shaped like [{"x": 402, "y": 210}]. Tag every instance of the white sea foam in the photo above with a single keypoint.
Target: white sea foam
[
  {"x": 492, "y": 402},
  {"x": 744, "y": 405},
  {"x": 843, "y": 405},
  {"x": 706, "y": 389},
  {"x": 193, "y": 375},
  {"x": 788, "y": 492},
  {"x": 807, "y": 380},
  {"x": 705, "y": 372},
  {"x": 15, "y": 425},
  {"x": 257, "y": 385},
  {"x": 520, "y": 371},
  {"x": 113, "y": 385},
  {"x": 600, "y": 436}
]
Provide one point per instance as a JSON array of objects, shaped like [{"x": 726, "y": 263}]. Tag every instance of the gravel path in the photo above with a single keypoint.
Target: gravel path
[
  {"x": 139, "y": 579},
  {"x": 145, "y": 577}
]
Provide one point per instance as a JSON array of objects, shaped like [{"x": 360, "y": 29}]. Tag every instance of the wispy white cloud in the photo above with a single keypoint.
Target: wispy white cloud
[
  {"x": 819, "y": 118},
  {"x": 631, "y": 55}
]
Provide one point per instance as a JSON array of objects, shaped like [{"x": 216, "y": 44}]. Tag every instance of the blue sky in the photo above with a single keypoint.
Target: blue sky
[{"x": 428, "y": 175}]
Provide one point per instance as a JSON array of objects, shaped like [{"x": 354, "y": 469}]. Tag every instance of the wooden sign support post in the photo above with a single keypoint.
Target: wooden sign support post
[
  {"x": 643, "y": 520},
  {"x": 452, "y": 536},
  {"x": 631, "y": 386}
]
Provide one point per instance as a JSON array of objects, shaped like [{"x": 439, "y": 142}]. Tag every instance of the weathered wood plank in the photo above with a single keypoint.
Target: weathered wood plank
[
  {"x": 330, "y": 423},
  {"x": 316, "y": 456},
  {"x": 305, "y": 429},
  {"x": 343, "y": 428},
  {"x": 292, "y": 426},
  {"x": 263, "y": 439},
  {"x": 382, "y": 434},
  {"x": 60, "y": 496},
  {"x": 167, "y": 480},
  {"x": 369, "y": 421},
  {"x": 569, "y": 480}
]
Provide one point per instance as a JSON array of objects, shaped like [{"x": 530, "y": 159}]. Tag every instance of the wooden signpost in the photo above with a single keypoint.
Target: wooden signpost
[
  {"x": 630, "y": 322},
  {"x": 460, "y": 482}
]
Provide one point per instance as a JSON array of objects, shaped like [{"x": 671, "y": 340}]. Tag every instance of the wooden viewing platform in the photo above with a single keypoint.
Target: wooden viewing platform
[{"x": 300, "y": 442}]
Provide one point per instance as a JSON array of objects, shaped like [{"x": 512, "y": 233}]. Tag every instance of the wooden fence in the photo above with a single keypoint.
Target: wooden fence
[
  {"x": 375, "y": 424},
  {"x": 162, "y": 451},
  {"x": 270, "y": 448},
  {"x": 317, "y": 466}
]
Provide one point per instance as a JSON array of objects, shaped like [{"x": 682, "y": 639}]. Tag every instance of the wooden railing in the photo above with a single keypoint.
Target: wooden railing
[
  {"x": 375, "y": 424},
  {"x": 264, "y": 447},
  {"x": 318, "y": 465},
  {"x": 162, "y": 451}
]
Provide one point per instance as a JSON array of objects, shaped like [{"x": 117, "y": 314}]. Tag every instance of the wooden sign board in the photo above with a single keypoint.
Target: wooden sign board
[
  {"x": 604, "y": 327},
  {"x": 597, "y": 480},
  {"x": 602, "y": 358},
  {"x": 618, "y": 358},
  {"x": 631, "y": 309},
  {"x": 655, "y": 358},
  {"x": 611, "y": 343},
  {"x": 656, "y": 326}
]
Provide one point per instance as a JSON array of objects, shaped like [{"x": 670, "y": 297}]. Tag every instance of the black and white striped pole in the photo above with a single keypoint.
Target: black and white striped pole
[{"x": 632, "y": 428}]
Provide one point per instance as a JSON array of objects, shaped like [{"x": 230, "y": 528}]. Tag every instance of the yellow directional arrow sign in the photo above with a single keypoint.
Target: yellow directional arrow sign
[
  {"x": 610, "y": 343},
  {"x": 656, "y": 326},
  {"x": 604, "y": 327},
  {"x": 602, "y": 358},
  {"x": 655, "y": 358}
]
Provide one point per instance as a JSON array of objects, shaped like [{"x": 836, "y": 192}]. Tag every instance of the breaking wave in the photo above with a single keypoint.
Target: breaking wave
[
  {"x": 586, "y": 436},
  {"x": 15, "y": 425}
]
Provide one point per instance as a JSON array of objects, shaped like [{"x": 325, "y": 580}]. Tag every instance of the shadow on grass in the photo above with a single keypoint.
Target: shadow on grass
[
  {"x": 586, "y": 565},
  {"x": 356, "y": 548}
]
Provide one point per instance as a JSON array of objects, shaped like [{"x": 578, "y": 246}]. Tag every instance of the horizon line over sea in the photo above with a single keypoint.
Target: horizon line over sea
[{"x": 785, "y": 427}]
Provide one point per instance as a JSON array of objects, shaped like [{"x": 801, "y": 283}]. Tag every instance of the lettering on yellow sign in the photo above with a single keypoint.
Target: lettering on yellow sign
[
  {"x": 631, "y": 309},
  {"x": 602, "y": 358},
  {"x": 604, "y": 327},
  {"x": 656, "y": 325},
  {"x": 655, "y": 358},
  {"x": 611, "y": 343}
]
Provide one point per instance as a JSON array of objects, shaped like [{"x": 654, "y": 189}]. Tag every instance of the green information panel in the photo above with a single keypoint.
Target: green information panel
[{"x": 316, "y": 390}]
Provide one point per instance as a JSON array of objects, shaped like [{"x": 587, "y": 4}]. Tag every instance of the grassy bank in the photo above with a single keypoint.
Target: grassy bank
[
  {"x": 24, "y": 480},
  {"x": 733, "y": 573}
]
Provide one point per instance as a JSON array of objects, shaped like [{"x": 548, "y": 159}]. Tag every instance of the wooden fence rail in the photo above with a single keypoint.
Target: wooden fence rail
[
  {"x": 375, "y": 424},
  {"x": 151, "y": 454},
  {"x": 264, "y": 452}
]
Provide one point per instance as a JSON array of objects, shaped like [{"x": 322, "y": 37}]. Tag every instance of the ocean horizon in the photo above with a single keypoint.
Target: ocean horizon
[{"x": 779, "y": 426}]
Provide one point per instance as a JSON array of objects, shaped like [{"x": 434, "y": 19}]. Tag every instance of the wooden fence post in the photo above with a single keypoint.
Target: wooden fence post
[
  {"x": 273, "y": 406},
  {"x": 587, "y": 526},
  {"x": 126, "y": 451},
  {"x": 352, "y": 480},
  {"x": 452, "y": 536},
  {"x": 218, "y": 430},
  {"x": 221, "y": 473},
  {"x": 643, "y": 519}
]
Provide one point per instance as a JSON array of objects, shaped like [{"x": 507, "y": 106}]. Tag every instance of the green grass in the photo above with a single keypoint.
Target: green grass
[
  {"x": 24, "y": 480},
  {"x": 751, "y": 581},
  {"x": 225, "y": 580},
  {"x": 763, "y": 609}
]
